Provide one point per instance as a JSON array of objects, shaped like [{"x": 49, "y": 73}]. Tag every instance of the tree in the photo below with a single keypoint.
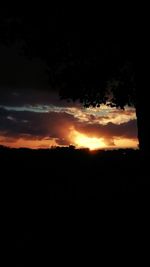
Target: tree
[{"x": 94, "y": 65}]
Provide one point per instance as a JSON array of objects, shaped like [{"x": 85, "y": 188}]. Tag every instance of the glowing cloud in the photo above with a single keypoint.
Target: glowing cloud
[{"x": 83, "y": 141}]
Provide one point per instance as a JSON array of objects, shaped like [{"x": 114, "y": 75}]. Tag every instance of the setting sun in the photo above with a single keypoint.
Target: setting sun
[{"x": 82, "y": 140}]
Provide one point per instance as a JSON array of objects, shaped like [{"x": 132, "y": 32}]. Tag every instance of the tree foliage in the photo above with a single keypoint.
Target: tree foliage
[{"x": 87, "y": 59}]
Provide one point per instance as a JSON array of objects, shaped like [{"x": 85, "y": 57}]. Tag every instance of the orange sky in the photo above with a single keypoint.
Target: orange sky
[
  {"x": 79, "y": 141},
  {"x": 94, "y": 128}
]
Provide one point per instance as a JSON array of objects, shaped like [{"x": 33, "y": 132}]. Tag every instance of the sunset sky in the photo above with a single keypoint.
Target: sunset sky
[
  {"x": 35, "y": 118},
  {"x": 39, "y": 119}
]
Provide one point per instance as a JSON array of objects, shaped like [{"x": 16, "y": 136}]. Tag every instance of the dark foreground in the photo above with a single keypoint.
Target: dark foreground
[
  {"x": 30, "y": 180},
  {"x": 29, "y": 176}
]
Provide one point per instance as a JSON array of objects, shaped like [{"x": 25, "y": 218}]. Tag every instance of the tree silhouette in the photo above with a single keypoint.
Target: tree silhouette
[{"x": 93, "y": 64}]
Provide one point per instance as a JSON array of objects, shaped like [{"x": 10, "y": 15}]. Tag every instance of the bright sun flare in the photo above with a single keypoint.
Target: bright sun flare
[{"x": 81, "y": 140}]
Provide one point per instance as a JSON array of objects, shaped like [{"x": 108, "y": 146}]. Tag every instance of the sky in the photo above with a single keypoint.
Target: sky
[
  {"x": 39, "y": 119},
  {"x": 33, "y": 116}
]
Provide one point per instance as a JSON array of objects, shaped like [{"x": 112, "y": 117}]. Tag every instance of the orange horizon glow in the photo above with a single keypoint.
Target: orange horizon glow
[
  {"x": 77, "y": 139},
  {"x": 25, "y": 143},
  {"x": 81, "y": 140}
]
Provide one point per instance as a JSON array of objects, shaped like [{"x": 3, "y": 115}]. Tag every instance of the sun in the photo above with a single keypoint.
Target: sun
[{"x": 83, "y": 141}]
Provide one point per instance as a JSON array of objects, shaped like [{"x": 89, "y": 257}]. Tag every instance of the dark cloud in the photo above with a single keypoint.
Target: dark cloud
[
  {"x": 62, "y": 141},
  {"x": 35, "y": 125},
  {"x": 24, "y": 81},
  {"x": 17, "y": 71},
  {"x": 32, "y": 97},
  {"x": 127, "y": 129}
]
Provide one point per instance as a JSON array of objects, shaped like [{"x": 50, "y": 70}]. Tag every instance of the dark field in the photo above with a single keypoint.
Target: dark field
[
  {"x": 32, "y": 176},
  {"x": 32, "y": 180}
]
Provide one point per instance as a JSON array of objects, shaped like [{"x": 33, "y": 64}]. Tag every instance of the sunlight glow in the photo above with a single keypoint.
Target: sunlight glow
[{"x": 83, "y": 141}]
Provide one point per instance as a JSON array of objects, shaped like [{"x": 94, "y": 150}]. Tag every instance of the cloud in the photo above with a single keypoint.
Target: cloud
[
  {"x": 37, "y": 100},
  {"x": 54, "y": 127},
  {"x": 105, "y": 114},
  {"x": 17, "y": 71},
  {"x": 126, "y": 129},
  {"x": 35, "y": 126}
]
